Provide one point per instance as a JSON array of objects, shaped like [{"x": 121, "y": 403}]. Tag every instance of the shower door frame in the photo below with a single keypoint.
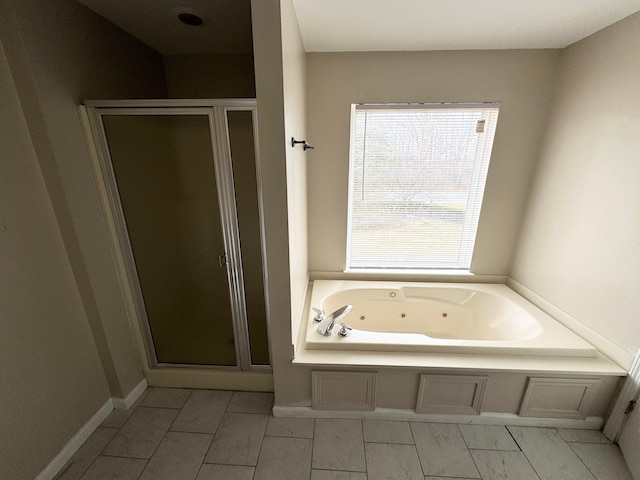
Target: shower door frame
[{"x": 216, "y": 112}]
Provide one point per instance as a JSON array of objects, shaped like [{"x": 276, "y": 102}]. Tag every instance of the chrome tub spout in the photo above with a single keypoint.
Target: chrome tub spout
[{"x": 326, "y": 325}]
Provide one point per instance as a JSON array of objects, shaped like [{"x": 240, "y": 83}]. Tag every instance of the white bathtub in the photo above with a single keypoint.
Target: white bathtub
[{"x": 439, "y": 317}]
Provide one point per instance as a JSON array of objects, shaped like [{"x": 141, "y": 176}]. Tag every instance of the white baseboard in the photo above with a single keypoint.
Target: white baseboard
[
  {"x": 125, "y": 403},
  {"x": 81, "y": 436},
  {"x": 487, "y": 418},
  {"x": 76, "y": 442}
]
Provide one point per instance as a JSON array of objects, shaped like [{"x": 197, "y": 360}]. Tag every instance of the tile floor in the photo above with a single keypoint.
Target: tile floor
[{"x": 177, "y": 434}]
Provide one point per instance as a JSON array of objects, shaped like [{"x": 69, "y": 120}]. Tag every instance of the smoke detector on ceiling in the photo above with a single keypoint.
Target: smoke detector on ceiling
[{"x": 188, "y": 16}]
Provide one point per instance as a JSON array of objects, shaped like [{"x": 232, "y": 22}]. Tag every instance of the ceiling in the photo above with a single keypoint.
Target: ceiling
[
  {"x": 370, "y": 25},
  {"x": 387, "y": 25},
  {"x": 226, "y": 28}
]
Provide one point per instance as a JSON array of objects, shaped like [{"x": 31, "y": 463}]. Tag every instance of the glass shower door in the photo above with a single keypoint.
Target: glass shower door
[
  {"x": 240, "y": 131},
  {"x": 164, "y": 171}
]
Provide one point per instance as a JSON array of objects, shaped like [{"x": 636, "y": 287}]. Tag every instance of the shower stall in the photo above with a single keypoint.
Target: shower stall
[{"x": 181, "y": 193}]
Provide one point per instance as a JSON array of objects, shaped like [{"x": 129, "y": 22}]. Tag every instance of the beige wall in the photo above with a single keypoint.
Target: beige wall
[
  {"x": 522, "y": 80},
  {"x": 51, "y": 379},
  {"x": 267, "y": 50},
  {"x": 67, "y": 345},
  {"x": 292, "y": 384},
  {"x": 61, "y": 53},
  {"x": 210, "y": 76},
  {"x": 580, "y": 244},
  {"x": 295, "y": 118}
]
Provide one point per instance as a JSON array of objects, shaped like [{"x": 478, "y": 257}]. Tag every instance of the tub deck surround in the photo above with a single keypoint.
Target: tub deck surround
[
  {"x": 443, "y": 325},
  {"x": 599, "y": 365},
  {"x": 467, "y": 353}
]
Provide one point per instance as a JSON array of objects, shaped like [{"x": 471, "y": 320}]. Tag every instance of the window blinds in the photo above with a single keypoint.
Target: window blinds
[{"x": 417, "y": 176}]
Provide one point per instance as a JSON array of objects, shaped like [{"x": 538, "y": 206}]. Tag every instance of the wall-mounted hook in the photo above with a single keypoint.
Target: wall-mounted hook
[{"x": 305, "y": 145}]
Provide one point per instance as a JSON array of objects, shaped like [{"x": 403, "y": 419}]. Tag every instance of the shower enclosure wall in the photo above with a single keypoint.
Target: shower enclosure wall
[{"x": 182, "y": 192}]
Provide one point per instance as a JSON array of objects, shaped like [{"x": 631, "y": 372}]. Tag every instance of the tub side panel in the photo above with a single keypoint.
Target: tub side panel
[{"x": 398, "y": 389}]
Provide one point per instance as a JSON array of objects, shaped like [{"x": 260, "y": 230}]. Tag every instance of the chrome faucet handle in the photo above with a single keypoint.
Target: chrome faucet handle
[
  {"x": 319, "y": 314},
  {"x": 345, "y": 331}
]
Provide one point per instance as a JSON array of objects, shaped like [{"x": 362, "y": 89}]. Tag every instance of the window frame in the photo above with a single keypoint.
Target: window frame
[{"x": 479, "y": 178}]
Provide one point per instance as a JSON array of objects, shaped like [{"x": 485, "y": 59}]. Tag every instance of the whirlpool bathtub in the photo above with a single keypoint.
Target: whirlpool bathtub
[{"x": 439, "y": 317}]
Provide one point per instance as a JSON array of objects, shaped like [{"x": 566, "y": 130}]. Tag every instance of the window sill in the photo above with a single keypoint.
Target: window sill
[
  {"x": 409, "y": 272},
  {"x": 440, "y": 276}
]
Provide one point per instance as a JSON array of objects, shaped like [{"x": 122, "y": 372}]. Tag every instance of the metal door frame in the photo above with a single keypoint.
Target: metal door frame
[{"x": 216, "y": 112}]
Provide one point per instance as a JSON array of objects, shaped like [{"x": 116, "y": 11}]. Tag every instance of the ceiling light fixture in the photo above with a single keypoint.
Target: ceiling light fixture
[
  {"x": 188, "y": 16},
  {"x": 190, "y": 19}
]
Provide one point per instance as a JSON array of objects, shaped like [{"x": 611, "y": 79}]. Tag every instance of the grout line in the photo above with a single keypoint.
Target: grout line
[
  {"x": 364, "y": 449},
  {"x": 122, "y": 456},
  {"x": 200, "y": 467},
  {"x": 578, "y": 457},
  {"x": 157, "y": 447},
  {"x": 313, "y": 443},
  {"x": 150, "y": 389},
  {"x": 493, "y": 450},
  {"x": 142, "y": 471},
  {"x": 205, "y": 454},
  {"x": 514, "y": 439},
  {"x": 310, "y": 459},
  {"x": 523, "y": 453},
  {"x": 416, "y": 447},
  {"x": 464, "y": 441},
  {"x": 261, "y": 444}
]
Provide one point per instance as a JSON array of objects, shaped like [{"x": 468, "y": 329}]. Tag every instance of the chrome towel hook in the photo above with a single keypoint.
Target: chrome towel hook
[{"x": 305, "y": 145}]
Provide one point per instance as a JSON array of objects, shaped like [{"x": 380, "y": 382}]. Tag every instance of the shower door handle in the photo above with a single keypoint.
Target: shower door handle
[{"x": 223, "y": 259}]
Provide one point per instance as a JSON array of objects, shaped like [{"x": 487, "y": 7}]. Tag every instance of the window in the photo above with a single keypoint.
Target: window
[{"x": 417, "y": 176}]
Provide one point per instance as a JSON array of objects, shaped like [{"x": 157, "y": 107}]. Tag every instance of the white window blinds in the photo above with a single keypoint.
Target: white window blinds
[{"x": 417, "y": 176}]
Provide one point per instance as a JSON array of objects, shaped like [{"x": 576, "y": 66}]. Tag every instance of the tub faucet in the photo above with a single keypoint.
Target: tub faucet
[{"x": 326, "y": 325}]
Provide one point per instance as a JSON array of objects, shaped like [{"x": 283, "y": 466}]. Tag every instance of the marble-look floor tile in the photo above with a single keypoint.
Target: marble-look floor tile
[
  {"x": 238, "y": 439},
  {"x": 549, "y": 454},
  {"x": 251, "y": 402},
  {"x": 338, "y": 445},
  {"x": 118, "y": 416},
  {"x": 604, "y": 461},
  {"x": 503, "y": 465},
  {"x": 381, "y": 431},
  {"x": 115, "y": 468},
  {"x": 225, "y": 472},
  {"x": 444, "y": 478},
  {"x": 582, "y": 436},
  {"x": 392, "y": 462},
  {"x": 142, "y": 433},
  {"x": 87, "y": 453},
  {"x": 335, "y": 475},
  {"x": 290, "y": 427},
  {"x": 179, "y": 456},
  {"x": 202, "y": 412},
  {"x": 166, "y": 397},
  {"x": 487, "y": 437},
  {"x": 284, "y": 459},
  {"x": 442, "y": 450}
]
